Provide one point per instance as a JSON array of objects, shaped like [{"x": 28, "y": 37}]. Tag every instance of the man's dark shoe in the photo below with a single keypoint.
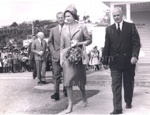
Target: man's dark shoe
[
  {"x": 116, "y": 112},
  {"x": 34, "y": 77},
  {"x": 40, "y": 83},
  {"x": 44, "y": 82},
  {"x": 128, "y": 106},
  {"x": 55, "y": 96},
  {"x": 65, "y": 93}
]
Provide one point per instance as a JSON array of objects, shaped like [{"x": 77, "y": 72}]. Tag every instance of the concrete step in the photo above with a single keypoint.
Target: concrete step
[
  {"x": 103, "y": 78},
  {"x": 145, "y": 47},
  {"x": 144, "y": 59},
  {"x": 145, "y": 77},
  {"x": 137, "y": 83},
  {"x": 147, "y": 52},
  {"x": 145, "y": 42}
]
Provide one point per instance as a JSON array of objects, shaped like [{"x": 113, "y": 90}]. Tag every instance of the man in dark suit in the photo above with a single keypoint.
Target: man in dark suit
[
  {"x": 31, "y": 57},
  {"x": 39, "y": 49},
  {"x": 54, "y": 47},
  {"x": 121, "y": 51}
]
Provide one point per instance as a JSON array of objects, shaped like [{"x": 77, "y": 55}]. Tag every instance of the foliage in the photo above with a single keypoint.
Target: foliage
[
  {"x": 19, "y": 32},
  {"x": 106, "y": 18},
  {"x": 86, "y": 19},
  {"x": 14, "y": 24}
]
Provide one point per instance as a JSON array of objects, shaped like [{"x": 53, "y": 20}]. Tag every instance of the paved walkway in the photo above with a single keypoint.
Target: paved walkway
[{"x": 102, "y": 102}]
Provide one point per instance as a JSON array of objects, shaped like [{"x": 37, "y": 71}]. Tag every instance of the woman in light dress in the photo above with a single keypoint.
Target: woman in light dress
[
  {"x": 94, "y": 59},
  {"x": 74, "y": 74}
]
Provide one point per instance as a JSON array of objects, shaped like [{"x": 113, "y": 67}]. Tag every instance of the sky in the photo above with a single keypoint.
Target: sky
[{"x": 29, "y": 10}]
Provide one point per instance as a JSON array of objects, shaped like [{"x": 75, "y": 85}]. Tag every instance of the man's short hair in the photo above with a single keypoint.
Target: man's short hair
[
  {"x": 118, "y": 8},
  {"x": 59, "y": 13}
]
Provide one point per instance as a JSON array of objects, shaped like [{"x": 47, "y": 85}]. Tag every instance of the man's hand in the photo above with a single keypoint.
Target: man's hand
[
  {"x": 40, "y": 53},
  {"x": 134, "y": 60},
  {"x": 105, "y": 66}
]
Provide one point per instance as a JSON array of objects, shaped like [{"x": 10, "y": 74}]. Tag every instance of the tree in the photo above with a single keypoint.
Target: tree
[
  {"x": 86, "y": 19},
  {"x": 14, "y": 24},
  {"x": 19, "y": 32},
  {"x": 106, "y": 18}
]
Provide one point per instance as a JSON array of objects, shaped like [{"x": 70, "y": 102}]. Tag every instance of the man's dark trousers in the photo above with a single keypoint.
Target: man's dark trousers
[
  {"x": 33, "y": 67},
  {"x": 127, "y": 75},
  {"x": 57, "y": 74}
]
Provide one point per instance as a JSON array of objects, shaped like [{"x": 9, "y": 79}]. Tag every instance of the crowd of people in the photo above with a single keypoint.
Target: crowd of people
[
  {"x": 120, "y": 53},
  {"x": 17, "y": 60}
]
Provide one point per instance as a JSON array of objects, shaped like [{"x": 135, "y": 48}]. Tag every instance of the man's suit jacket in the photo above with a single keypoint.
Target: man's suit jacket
[
  {"x": 119, "y": 50},
  {"x": 30, "y": 53},
  {"x": 54, "y": 43},
  {"x": 36, "y": 47}
]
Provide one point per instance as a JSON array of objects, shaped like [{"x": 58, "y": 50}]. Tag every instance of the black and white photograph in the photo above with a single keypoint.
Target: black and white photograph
[{"x": 75, "y": 57}]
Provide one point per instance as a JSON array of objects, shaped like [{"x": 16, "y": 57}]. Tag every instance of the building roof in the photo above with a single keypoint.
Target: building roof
[{"x": 108, "y": 2}]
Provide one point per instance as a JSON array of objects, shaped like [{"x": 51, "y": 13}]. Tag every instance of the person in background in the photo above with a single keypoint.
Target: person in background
[
  {"x": 32, "y": 58},
  {"x": 39, "y": 49},
  {"x": 94, "y": 59},
  {"x": 15, "y": 60},
  {"x": 73, "y": 34},
  {"x": 10, "y": 62},
  {"x": 121, "y": 51},
  {"x": 4, "y": 52},
  {"x": 54, "y": 47},
  {"x": 1, "y": 65},
  {"x": 100, "y": 58},
  {"x": 5, "y": 64},
  {"x": 23, "y": 59}
]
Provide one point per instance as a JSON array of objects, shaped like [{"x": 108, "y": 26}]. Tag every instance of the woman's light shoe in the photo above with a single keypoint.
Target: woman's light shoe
[
  {"x": 85, "y": 103},
  {"x": 68, "y": 110}
]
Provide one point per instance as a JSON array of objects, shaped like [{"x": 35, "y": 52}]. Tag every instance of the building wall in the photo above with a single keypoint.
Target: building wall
[{"x": 142, "y": 21}]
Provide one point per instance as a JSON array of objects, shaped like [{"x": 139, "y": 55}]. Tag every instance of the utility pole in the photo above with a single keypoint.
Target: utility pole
[{"x": 32, "y": 28}]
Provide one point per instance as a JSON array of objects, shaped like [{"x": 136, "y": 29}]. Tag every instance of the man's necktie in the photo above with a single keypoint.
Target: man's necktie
[
  {"x": 60, "y": 30},
  {"x": 41, "y": 43},
  {"x": 118, "y": 28}
]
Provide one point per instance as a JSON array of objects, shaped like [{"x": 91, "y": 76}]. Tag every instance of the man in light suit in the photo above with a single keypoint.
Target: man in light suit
[
  {"x": 54, "y": 47},
  {"x": 31, "y": 57},
  {"x": 121, "y": 51},
  {"x": 39, "y": 49}
]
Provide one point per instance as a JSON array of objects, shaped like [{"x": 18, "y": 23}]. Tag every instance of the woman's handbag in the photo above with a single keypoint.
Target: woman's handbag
[{"x": 85, "y": 57}]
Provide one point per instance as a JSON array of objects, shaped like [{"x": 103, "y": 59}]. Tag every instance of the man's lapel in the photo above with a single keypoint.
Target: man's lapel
[
  {"x": 57, "y": 33},
  {"x": 117, "y": 39},
  {"x": 116, "y": 36},
  {"x": 121, "y": 37},
  {"x": 124, "y": 28}
]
